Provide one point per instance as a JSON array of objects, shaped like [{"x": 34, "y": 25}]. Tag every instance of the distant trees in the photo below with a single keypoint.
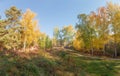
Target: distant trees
[
  {"x": 63, "y": 36},
  {"x": 48, "y": 42},
  {"x": 44, "y": 42},
  {"x": 56, "y": 33},
  {"x": 68, "y": 34}
]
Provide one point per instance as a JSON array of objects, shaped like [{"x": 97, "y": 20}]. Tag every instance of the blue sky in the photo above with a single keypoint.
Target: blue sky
[{"x": 51, "y": 13}]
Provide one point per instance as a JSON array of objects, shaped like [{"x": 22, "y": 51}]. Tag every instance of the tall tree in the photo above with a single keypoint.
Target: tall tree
[
  {"x": 56, "y": 33},
  {"x": 10, "y": 29},
  {"x": 101, "y": 21},
  {"x": 86, "y": 31},
  {"x": 68, "y": 33},
  {"x": 114, "y": 14},
  {"x": 42, "y": 41},
  {"x": 30, "y": 32},
  {"x": 48, "y": 43}
]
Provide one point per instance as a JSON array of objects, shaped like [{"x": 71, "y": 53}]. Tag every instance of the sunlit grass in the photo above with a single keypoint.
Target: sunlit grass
[{"x": 66, "y": 64}]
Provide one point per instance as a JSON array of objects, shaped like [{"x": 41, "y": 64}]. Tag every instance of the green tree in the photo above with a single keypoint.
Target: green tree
[
  {"x": 63, "y": 36},
  {"x": 68, "y": 34},
  {"x": 100, "y": 23},
  {"x": 86, "y": 31},
  {"x": 48, "y": 42},
  {"x": 56, "y": 33},
  {"x": 10, "y": 29},
  {"x": 114, "y": 14},
  {"x": 44, "y": 42}
]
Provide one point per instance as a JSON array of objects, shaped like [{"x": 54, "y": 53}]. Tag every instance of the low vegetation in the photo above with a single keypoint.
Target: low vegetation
[{"x": 62, "y": 63}]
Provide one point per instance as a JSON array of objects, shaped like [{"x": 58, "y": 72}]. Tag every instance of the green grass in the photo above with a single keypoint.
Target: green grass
[
  {"x": 85, "y": 66},
  {"x": 66, "y": 65},
  {"x": 15, "y": 66}
]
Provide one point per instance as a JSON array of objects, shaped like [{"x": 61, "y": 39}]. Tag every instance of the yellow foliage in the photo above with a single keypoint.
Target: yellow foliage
[
  {"x": 78, "y": 44},
  {"x": 30, "y": 32},
  {"x": 69, "y": 28}
]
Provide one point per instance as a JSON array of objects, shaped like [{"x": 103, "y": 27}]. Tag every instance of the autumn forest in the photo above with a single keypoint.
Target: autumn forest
[{"x": 89, "y": 48}]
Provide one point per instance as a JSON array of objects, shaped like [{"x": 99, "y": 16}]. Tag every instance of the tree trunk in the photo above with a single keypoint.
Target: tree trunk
[
  {"x": 92, "y": 51},
  {"x": 24, "y": 47},
  {"x": 91, "y": 45},
  {"x": 115, "y": 41},
  {"x": 115, "y": 54},
  {"x": 104, "y": 50}
]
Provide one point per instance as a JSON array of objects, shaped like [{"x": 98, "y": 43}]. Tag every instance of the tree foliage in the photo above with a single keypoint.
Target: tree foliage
[
  {"x": 63, "y": 36},
  {"x": 30, "y": 32},
  {"x": 10, "y": 29},
  {"x": 44, "y": 41}
]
